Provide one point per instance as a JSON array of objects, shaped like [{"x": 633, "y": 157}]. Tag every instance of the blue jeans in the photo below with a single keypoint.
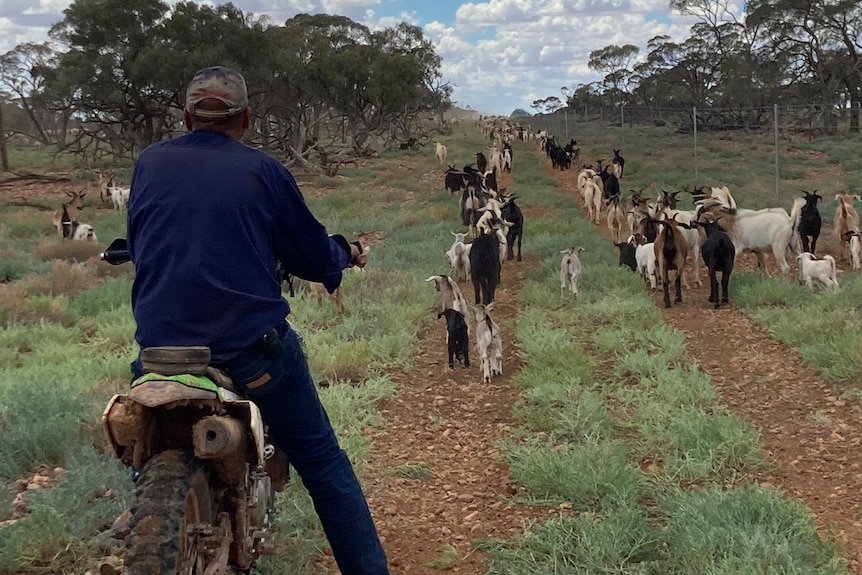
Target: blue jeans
[
  {"x": 287, "y": 398},
  {"x": 283, "y": 390}
]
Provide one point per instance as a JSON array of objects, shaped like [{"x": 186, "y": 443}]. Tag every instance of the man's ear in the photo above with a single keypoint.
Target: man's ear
[
  {"x": 187, "y": 119},
  {"x": 246, "y": 119}
]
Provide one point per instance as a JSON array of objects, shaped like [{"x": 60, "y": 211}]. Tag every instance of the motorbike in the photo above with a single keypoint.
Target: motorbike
[{"x": 205, "y": 471}]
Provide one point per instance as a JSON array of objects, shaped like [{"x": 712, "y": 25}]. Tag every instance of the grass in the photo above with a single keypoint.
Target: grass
[{"x": 615, "y": 421}]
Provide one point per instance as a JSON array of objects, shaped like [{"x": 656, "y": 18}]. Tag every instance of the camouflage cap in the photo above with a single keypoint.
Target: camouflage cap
[{"x": 218, "y": 83}]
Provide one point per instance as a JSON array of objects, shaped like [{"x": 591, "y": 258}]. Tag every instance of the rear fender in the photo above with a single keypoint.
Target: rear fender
[{"x": 126, "y": 418}]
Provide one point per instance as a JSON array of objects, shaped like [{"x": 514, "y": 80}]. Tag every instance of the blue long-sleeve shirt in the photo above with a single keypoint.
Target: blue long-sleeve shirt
[{"x": 208, "y": 219}]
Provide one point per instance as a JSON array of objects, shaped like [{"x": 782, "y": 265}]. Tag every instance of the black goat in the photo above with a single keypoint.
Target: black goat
[
  {"x": 611, "y": 183},
  {"x": 513, "y": 214},
  {"x": 627, "y": 255},
  {"x": 457, "y": 340},
  {"x": 454, "y": 180},
  {"x": 809, "y": 221},
  {"x": 485, "y": 267},
  {"x": 718, "y": 255},
  {"x": 481, "y": 162},
  {"x": 618, "y": 159}
]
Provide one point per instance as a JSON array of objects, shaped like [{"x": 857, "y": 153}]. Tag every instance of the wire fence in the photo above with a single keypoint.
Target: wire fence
[{"x": 784, "y": 125}]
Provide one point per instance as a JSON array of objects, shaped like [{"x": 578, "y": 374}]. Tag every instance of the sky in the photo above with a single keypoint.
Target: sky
[{"x": 497, "y": 55}]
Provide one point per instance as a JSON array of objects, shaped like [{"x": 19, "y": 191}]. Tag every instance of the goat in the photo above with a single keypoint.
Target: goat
[
  {"x": 671, "y": 253},
  {"x": 507, "y": 158},
  {"x": 62, "y": 220},
  {"x": 459, "y": 257},
  {"x": 616, "y": 217},
  {"x": 485, "y": 267},
  {"x": 718, "y": 255},
  {"x": 610, "y": 183},
  {"x": 823, "y": 270},
  {"x": 440, "y": 152},
  {"x": 593, "y": 199},
  {"x": 103, "y": 181},
  {"x": 318, "y": 291},
  {"x": 481, "y": 162},
  {"x": 119, "y": 196},
  {"x": 472, "y": 199},
  {"x": 513, "y": 214},
  {"x": 846, "y": 220},
  {"x": 450, "y": 294},
  {"x": 457, "y": 338},
  {"x": 806, "y": 220},
  {"x": 854, "y": 239},
  {"x": 496, "y": 162},
  {"x": 755, "y": 230},
  {"x": 689, "y": 231},
  {"x": 618, "y": 160},
  {"x": 454, "y": 181},
  {"x": 644, "y": 259},
  {"x": 570, "y": 270},
  {"x": 627, "y": 253},
  {"x": 84, "y": 232},
  {"x": 489, "y": 342}
]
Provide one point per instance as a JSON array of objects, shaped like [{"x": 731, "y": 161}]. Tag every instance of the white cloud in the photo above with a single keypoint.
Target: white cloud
[{"x": 499, "y": 55}]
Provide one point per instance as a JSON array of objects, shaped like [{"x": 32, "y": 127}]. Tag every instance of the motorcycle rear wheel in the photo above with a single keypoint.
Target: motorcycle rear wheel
[{"x": 172, "y": 492}]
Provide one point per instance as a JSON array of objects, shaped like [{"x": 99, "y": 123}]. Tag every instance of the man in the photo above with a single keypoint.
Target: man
[{"x": 208, "y": 220}]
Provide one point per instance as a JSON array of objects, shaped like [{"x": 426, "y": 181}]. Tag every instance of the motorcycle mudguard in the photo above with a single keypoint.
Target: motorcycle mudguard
[{"x": 125, "y": 414}]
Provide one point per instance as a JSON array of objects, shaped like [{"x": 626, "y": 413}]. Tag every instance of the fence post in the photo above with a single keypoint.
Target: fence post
[
  {"x": 694, "y": 124},
  {"x": 622, "y": 125},
  {"x": 775, "y": 138}
]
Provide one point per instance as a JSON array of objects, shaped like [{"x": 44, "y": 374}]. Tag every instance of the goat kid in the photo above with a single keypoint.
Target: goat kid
[
  {"x": 457, "y": 338},
  {"x": 489, "y": 342},
  {"x": 823, "y": 270},
  {"x": 854, "y": 239},
  {"x": 570, "y": 270}
]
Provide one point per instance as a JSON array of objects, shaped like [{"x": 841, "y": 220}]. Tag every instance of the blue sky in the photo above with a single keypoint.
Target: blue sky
[{"x": 498, "y": 54}]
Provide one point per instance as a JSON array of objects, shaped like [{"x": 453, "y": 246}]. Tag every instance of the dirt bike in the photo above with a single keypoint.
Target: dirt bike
[{"x": 205, "y": 491}]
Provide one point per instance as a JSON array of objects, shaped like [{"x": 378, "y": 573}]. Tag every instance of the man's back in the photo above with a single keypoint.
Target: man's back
[{"x": 207, "y": 218}]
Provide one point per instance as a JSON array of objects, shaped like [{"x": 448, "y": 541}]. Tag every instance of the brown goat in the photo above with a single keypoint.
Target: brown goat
[
  {"x": 671, "y": 253},
  {"x": 846, "y": 220},
  {"x": 62, "y": 217}
]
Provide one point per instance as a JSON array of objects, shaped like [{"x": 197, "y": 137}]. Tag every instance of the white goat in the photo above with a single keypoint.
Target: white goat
[
  {"x": 756, "y": 231},
  {"x": 489, "y": 342},
  {"x": 496, "y": 159},
  {"x": 507, "y": 159},
  {"x": 84, "y": 232},
  {"x": 120, "y": 196},
  {"x": 459, "y": 257},
  {"x": 645, "y": 258},
  {"x": 440, "y": 152},
  {"x": 856, "y": 249},
  {"x": 593, "y": 200},
  {"x": 823, "y": 270},
  {"x": 570, "y": 270}
]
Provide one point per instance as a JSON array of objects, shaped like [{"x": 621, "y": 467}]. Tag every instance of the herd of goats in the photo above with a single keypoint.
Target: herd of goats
[
  {"x": 662, "y": 242},
  {"x": 660, "y": 238}
]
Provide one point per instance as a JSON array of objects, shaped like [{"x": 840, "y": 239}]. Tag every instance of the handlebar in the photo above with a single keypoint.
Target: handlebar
[{"x": 116, "y": 253}]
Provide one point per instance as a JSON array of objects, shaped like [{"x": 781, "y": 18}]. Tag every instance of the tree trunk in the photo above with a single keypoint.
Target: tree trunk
[{"x": 4, "y": 155}]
